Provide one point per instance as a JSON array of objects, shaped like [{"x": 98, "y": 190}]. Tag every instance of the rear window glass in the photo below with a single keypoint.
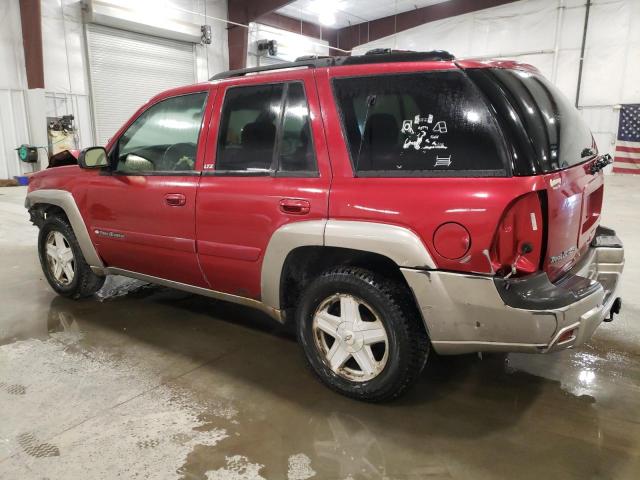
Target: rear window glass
[
  {"x": 423, "y": 124},
  {"x": 559, "y": 135}
]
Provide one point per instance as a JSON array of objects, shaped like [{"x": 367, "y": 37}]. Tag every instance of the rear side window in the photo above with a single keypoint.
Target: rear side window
[
  {"x": 265, "y": 129},
  {"x": 422, "y": 124}
]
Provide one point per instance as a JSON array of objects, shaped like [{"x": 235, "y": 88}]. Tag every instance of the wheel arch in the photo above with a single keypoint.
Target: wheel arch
[
  {"x": 298, "y": 251},
  {"x": 303, "y": 264},
  {"x": 56, "y": 201}
]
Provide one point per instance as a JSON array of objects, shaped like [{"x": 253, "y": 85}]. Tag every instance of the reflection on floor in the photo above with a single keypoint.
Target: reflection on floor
[{"x": 149, "y": 382}]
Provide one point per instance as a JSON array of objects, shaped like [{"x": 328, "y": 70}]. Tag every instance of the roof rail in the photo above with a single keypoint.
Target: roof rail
[
  {"x": 310, "y": 63},
  {"x": 379, "y": 55}
]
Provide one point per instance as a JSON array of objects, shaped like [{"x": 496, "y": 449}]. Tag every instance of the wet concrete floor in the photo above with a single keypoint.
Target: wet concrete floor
[{"x": 147, "y": 382}]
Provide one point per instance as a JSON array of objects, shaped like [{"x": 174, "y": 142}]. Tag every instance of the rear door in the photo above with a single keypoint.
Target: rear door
[{"x": 266, "y": 166}]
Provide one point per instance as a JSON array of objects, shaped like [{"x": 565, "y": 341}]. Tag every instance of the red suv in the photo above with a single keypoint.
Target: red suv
[{"x": 385, "y": 204}]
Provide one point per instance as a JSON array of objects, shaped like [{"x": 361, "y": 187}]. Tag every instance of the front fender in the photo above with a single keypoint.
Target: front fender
[{"x": 64, "y": 200}]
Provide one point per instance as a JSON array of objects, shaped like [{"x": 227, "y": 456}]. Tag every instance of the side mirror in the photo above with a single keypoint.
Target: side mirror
[{"x": 93, "y": 157}]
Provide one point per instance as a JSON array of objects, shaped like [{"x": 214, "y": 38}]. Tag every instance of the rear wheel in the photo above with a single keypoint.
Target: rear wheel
[
  {"x": 361, "y": 335},
  {"x": 62, "y": 261}
]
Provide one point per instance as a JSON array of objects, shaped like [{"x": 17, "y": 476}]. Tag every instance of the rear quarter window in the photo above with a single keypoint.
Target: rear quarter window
[
  {"x": 560, "y": 137},
  {"x": 419, "y": 124}
]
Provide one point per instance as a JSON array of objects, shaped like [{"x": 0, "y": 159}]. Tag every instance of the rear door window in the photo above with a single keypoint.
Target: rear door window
[
  {"x": 248, "y": 128},
  {"x": 419, "y": 124},
  {"x": 265, "y": 129}
]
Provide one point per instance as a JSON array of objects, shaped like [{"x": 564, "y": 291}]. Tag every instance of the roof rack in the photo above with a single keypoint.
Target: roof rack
[{"x": 379, "y": 55}]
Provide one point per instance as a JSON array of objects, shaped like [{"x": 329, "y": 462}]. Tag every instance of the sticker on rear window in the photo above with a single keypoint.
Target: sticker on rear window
[{"x": 422, "y": 134}]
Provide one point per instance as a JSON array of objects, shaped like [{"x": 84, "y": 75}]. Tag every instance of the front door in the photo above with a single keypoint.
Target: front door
[
  {"x": 267, "y": 166},
  {"x": 142, "y": 213}
]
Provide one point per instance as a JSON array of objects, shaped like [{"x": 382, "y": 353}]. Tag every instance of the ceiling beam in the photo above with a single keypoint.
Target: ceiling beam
[{"x": 354, "y": 35}]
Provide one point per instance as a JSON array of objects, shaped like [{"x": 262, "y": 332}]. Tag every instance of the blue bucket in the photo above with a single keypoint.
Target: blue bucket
[{"x": 22, "y": 180}]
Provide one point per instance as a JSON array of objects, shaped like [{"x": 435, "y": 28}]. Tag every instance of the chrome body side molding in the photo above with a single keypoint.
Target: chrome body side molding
[
  {"x": 228, "y": 297},
  {"x": 64, "y": 200}
]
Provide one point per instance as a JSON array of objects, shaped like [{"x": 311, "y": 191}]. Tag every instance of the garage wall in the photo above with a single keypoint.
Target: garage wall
[
  {"x": 67, "y": 86},
  {"x": 548, "y": 34},
  {"x": 65, "y": 51},
  {"x": 13, "y": 82}
]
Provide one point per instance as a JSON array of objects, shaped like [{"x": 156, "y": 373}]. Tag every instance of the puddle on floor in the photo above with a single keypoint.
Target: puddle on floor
[{"x": 117, "y": 286}]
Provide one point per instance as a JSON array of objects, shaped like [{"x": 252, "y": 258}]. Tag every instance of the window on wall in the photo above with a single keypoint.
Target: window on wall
[
  {"x": 265, "y": 129},
  {"x": 164, "y": 138},
  {"x": 429, "y": 123}
]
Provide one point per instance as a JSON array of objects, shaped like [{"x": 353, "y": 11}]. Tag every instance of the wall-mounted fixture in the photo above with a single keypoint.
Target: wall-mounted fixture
[
  {"x": 27, "y": 153},
  {"x": 268, "y": 47},
  {"x": 205, "y": 37}
]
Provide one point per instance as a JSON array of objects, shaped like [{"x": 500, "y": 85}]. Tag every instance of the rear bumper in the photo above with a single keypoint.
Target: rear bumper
[{"x": 473, "y": 313}]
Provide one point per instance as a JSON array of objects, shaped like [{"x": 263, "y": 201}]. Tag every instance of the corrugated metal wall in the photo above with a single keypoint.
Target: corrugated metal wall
[
  {"x": 13, "y": 119},
  {"x": 14, "y": 131},
  {"x": 127, "y": 69}
]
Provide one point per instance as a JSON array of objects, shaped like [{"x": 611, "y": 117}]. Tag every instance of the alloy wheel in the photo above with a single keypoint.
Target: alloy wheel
[
  {"x": 351, "y": 337},
  {"x": 60, "y": 258}
]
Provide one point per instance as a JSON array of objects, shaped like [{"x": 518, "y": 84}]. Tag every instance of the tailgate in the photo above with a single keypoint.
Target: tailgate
[
  {"x": 574, "y": 205},
  {"x": 551, "y": 139}
]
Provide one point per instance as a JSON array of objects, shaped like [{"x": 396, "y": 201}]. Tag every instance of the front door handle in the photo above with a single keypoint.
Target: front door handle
[
  {"x": 295, "y": 206},
  {"x": 175, "y": 199}
]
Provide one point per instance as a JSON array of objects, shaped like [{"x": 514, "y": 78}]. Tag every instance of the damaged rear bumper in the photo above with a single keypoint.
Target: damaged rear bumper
[{"x": 474, "y": 313}]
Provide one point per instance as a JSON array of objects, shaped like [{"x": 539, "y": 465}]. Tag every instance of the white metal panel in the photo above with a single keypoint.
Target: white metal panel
[
  {"x": 13, "y": 74},
  {"x": 14, "y": 131},
  {"x": 351, "y": 11},
  {"x": 603, "y": 122},
  {"x": 127, "y": 69},
  {"x": 290, "y": 45}
]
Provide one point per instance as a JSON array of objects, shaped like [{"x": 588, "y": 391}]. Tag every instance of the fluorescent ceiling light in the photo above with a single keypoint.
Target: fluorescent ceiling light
[
  {"x": 326, "y": 10},
  {"x": 327, "y": 18}
]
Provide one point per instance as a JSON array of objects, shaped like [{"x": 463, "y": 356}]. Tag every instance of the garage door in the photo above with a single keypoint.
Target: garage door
[{"x": 128, "y": 68}]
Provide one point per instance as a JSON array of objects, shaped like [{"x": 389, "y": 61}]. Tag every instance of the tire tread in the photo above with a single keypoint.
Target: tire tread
[
  {"x": 88, "y": 282},
  {"x": 402, "y": 306}
]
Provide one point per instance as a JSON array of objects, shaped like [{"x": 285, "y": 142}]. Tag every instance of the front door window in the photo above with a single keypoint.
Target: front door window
[{"x": 164, "y": 138}]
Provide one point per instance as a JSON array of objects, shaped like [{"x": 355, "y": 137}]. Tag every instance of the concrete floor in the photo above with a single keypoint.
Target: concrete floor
[{"x": 145, "y": 382}]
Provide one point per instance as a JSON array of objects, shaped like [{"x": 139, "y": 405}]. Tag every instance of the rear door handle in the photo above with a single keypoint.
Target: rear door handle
[
  {"x": 175, "y": 199},
  {"x": 295, "y": 206}
]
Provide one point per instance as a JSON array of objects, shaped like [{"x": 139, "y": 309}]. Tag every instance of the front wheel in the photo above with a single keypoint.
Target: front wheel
[
  {"x": 361, "y": 335},
  {"x": 62, "y": 261}
]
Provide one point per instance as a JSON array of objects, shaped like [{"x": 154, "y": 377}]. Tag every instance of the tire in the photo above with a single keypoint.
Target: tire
[
  {"x": 65, "y": 250},
  {"x": 391, "y": 364}
]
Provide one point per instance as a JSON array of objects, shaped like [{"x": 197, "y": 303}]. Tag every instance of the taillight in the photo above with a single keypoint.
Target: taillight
[{"x": 518, "y": 242}]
